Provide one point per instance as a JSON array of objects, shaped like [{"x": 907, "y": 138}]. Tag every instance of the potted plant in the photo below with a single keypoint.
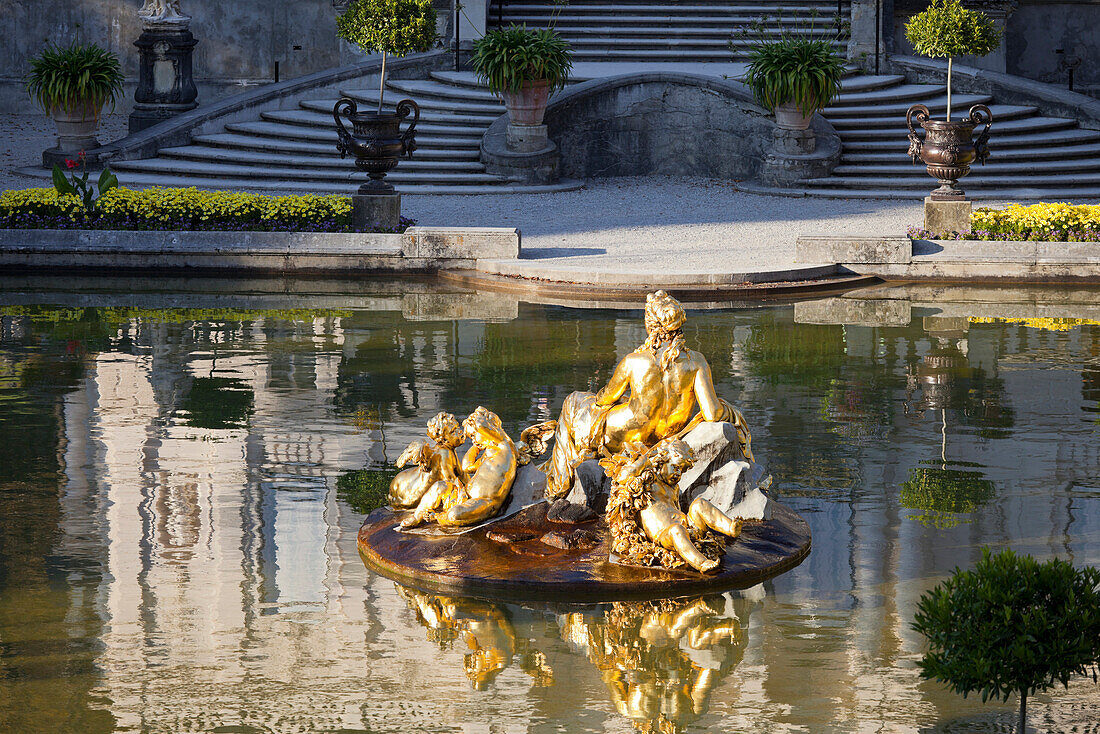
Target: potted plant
[
  {"x": 947, "y": 29},
  {"x": 72, "y": 84},
  {"x": 525, "y": 67},
  {"x": 394, "y": 27},
  {"x": 794, "y": 78},
  {"x": 1011, "y": 625}
]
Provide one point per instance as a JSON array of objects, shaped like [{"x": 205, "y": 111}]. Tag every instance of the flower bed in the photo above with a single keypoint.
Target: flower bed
[
  {"x": 180, "y": 210},
  {"x": 1059, "y": 222}
]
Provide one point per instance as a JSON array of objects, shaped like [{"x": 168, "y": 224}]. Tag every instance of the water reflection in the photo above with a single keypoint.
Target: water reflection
[{"x": 180, "y": 492}]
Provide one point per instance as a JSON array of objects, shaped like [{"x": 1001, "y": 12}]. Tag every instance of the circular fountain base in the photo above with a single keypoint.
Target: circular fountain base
[{"x": 528, "y": 556}]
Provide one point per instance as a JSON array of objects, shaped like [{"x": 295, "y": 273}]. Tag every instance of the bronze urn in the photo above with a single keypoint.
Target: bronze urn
[
  {"x": 949, "y": 148},
  {"x": 377, "y": 141}
]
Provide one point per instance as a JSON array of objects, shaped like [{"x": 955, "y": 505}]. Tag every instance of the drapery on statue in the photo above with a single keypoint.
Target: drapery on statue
[
  {"x": 162, "y": 11},
  {"x": 643, "y": 513},
  {"x": 665, "y": 380}
]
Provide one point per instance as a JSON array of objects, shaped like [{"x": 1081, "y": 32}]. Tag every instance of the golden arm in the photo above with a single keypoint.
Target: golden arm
[{"x": 616, "y": 386}]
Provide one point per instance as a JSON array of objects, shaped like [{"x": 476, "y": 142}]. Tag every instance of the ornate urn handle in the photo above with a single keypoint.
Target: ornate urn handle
[
  {"x": 344, "y": 107},
  {"x": 408, "y": 140},
  {"x": 921, "y": 113},
  {"x": 980, "y": 115}
]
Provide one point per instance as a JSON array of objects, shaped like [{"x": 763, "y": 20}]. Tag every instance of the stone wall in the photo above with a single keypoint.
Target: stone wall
[
  {"x": 659, "y": 123},
  {"x": 239, "y": 41}
]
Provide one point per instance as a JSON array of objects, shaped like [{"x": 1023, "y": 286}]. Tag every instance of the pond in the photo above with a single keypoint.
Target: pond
[{"x": 183, "y": 471}]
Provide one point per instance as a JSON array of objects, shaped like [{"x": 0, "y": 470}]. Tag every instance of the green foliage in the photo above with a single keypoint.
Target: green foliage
[
  {"x": 365, "y": 489},
  {"x": 942, "y": 494},
  {"x": 508, "y": 57},
  {"x": 1011, "y": 625},
  {"x": 947, "y": 29},
  {"x": 77, "y": 186},
  {"x": 396, "y": 27},
  {"x": 804, "y": 71},
  {"x": 217, "y": 402},
  {"x": 71, "y": 76}
]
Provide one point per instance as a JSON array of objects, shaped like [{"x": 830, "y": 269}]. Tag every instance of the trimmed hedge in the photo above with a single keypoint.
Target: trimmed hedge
[{"x": 179, "y": 210}]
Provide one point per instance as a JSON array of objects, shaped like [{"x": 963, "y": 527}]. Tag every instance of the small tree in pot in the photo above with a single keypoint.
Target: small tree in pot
[
  {"x": 72, "y": 84},
  {"x": 1012, "y": 625},
  {"x": 794, "y": 78},
  {"x": 524, "y": 66},
  {"x": 945, "y": 30}
]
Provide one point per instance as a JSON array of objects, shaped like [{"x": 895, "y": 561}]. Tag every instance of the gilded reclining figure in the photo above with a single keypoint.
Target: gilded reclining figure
[
  {"x": 665, "y": 380},
  {"x": 435, "y": 462},
  {"x": 647, "y": 526},
  {"x": 479, "y": 488}
]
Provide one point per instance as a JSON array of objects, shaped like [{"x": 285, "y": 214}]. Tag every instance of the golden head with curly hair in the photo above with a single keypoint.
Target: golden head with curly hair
[
  {"x": 445, "y": 430},
  {"x": 664, "y": 321}
]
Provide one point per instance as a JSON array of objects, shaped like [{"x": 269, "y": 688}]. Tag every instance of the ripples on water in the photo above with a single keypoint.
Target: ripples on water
[{"x": 177, "y": 545}]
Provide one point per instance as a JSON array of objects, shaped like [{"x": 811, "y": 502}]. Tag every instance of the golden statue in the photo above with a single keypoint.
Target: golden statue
[
  {"x": 645, "y": 652},
  {"x": 435, "y": 462},
  {"x": 485, "y": 628},
  {"x": 479, "y": 488},
  {"x": 643, "y": 513},
  {"x": 665, "y": 381}
]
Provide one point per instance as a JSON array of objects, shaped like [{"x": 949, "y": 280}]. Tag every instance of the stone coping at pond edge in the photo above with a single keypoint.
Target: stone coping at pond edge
[{"x": 900, "y": 258}]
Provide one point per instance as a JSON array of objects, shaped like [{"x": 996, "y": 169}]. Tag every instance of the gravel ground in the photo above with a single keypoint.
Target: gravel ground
[{"x": 653, "y": 224}]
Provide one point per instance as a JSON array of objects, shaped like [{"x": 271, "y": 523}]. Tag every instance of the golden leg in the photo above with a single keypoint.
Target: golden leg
[
  {"x": 428, "y": 503},
  {"x": 469, "y": 512},
  {"x": 678, "y": 536},
  {"x": 703, "y": 515}
]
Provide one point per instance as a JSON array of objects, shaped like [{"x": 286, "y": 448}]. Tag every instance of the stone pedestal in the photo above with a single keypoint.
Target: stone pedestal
[
  {"x": 527, "y": 138},
  {"x": 946, "y": 216},
  {"x": 166, "y": 86},
  {"x": 794, "y": 156},
  {"x": 376, "y": 210}
]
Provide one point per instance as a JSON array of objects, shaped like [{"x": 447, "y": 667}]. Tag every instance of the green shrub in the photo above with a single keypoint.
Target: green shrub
[
  {"x": 804, "y": 71},
  {"x": 71, "y": 76},
  {"x": 946, "y": 29},
  {"x": 509, "y": 57},
  {"x": 392, "y": 27},
  {"x": 1011, "y": 625}
]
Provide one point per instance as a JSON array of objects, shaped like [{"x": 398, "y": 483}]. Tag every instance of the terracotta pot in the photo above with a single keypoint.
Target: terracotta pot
[
  {"x": 788, "y": 117},
  {"x": 528, "y": 105},
  {"x": 377, "y": 141},
  {"x": 949, "y": 148},
  {"x": 77, "y": 123}
]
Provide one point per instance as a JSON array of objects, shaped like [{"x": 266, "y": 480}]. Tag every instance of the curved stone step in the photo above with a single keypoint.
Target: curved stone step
[
  {"x": 671, "y": 26},
  {"x": 976, "y": 180},
  {"x": 459, "y": 124},
  {"x": 328, "y": 160},
  {"x": 1023, "y": 170},
  {"x": 1005, "y": 131},
  {"x": 227, "y": 170},
  {"x": 643, "y": 43},
  {"x": 1047, "y": 155},
  {"x": 316, "y": 134},
  {"x": 634, "y": 7},
  {"x": 908, "y": 93},
  {"x": 998, "y": 194},
  {"x": 1001, "y": 113},
  {"x": 429, "y": 89},
  {"x": 465, "y": 109},
  {"x": 278, "y": 146},
  {"x": 960, "y": 103}
]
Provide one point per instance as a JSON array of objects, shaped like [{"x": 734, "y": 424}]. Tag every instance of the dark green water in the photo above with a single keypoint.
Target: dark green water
[{"x": 180, "y": 491}]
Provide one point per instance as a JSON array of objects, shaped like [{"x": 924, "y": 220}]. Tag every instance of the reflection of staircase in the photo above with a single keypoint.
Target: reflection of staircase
[
  {"x": 295, "y": 150},
  {"x": 667, "y": 30},
  {"x": 1032, "y": 155}
]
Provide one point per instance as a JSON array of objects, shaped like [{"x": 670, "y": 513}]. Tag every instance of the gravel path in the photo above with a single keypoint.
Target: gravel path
[{"x": 651, "y": 224}]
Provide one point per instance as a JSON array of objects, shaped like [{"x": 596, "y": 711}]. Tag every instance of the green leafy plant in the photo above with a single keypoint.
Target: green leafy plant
[
  {"x": 803, "y": 71},
  {"x": 74, "y": 78},
  {"x": 393, "y": 27},
  {"x": 1011, "y": 625},
  {"x": 507, "y": 58},
  {"x": 78, "y": 185},
  {"x": 946, "y": 29}
]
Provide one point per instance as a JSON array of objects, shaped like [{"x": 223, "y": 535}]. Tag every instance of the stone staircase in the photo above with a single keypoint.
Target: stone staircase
[
  {"x": 1033, "y": 155},
  {"x": 670, "y": 30},
  {"x": 295, "y": 150}
]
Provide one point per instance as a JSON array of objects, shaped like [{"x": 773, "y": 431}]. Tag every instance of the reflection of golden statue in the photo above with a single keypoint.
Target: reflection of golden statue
[
  {"x": 487, "y": 632},
  {"x": 643, "y": 513},
  {"x": 659, "y": 660},
  {"x": 435, "y": 462},
  {"x": 665, "y": 380}
]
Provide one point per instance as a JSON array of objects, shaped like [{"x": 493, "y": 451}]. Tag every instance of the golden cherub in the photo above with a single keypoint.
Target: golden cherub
[
  {"x": 435, "y": 462},
  {"x": 651, "y": 396},
  {"x": 647, "y": 526}
]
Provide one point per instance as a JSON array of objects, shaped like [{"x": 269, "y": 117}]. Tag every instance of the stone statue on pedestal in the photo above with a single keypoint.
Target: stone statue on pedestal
[{"x": 163, "y": 13}]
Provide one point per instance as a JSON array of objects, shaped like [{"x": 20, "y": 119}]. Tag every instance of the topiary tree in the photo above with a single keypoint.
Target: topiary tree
[
  {"x": 1011, "y": 625},
  {"x": 395, "y": 27},
  {"x": 947, "y": 29}
]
